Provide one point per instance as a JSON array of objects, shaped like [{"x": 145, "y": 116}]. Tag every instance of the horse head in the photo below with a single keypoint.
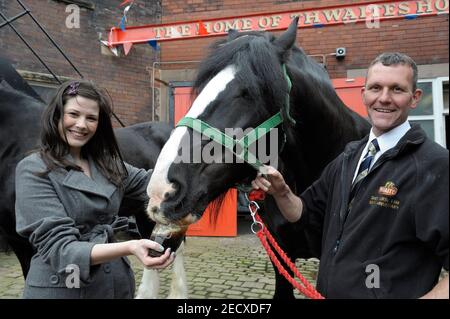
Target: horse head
[{"x": 242, "y": 84}]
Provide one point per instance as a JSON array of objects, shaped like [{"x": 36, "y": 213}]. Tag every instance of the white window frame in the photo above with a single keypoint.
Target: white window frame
[{"x": 438, "y": 116}]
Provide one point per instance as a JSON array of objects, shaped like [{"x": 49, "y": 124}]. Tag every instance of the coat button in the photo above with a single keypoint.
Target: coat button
[
  {"x": 54, "y": 279},
  {"x": 107, "y": 268}
]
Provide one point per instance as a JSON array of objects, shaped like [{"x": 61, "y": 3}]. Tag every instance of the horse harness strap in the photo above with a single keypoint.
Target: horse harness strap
[
  {"x": 243, "y": 144},
  {"x": 230, "y": 143},
  {"x": 287, "y": 104}
]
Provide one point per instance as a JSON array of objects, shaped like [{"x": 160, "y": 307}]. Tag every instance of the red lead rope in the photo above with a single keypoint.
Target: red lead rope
[{"x": 264, "y": 235}]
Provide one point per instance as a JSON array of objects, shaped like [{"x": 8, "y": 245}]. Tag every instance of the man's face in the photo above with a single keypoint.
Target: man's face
[{"x": 388, "y": 96}]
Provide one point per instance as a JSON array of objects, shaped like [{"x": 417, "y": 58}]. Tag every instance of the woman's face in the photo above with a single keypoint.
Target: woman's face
[{"x": 80, "y": 121}]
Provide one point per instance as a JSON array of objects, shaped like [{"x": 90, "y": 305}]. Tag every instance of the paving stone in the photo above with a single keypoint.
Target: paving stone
[
  {"x": 253, "y": 285},
  {"x": 250, "y": 294},
  {"x": 215, "y": 281},
  {"x": 234, "y": 283},
  {"x": 202, "y": 292},
  {"x": 232, "y": 292}
]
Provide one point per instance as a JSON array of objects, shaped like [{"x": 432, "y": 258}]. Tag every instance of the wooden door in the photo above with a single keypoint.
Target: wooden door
[
  {"x": 349, "y": 90},
  {"x": 226, "y": 224}
]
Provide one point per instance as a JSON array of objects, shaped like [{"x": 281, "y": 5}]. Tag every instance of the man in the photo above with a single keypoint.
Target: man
[{"x": 380, "y": 210}]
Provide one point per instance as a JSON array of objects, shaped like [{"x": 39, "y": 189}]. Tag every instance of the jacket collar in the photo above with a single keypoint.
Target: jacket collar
[
  {"x": 97, "y": 185},
  {"x": 415, "y": 136}
]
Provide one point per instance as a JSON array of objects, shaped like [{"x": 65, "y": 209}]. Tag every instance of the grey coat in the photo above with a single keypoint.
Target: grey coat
[{"x": 66, "y": 213}]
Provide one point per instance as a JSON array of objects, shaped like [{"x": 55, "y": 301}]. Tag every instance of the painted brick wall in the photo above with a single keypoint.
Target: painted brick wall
[
  {"x": 425, "y": 39},
  {"x": 126, "y": 78}
]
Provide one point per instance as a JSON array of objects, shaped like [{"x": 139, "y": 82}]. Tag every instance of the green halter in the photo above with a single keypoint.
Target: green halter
[{"x": 232, "y": 144}]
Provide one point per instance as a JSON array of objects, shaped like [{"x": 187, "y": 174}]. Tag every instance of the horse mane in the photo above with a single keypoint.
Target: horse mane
[{"x": 257, "y": 61}]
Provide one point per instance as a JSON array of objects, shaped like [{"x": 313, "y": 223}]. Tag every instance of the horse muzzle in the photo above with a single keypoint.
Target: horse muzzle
[{"x": 168, "y": 236}]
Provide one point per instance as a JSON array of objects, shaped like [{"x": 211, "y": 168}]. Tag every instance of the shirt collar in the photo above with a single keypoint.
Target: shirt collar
[{"x": 389, "y": 139}]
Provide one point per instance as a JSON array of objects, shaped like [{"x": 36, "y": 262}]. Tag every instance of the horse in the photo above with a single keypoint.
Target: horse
[
  {"x": 243, "y": 82},
  {"x": 20, "y": 114}
]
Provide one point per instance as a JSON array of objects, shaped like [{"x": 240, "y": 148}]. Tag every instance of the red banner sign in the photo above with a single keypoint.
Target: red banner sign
[{"x": 371, "y": 14}]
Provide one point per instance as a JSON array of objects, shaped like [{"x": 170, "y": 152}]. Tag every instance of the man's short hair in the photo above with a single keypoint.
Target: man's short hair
[{"x": 396, "y": 58}]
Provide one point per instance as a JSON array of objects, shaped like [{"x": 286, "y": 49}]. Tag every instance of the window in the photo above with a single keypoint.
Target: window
[
  {"x": 42, "y": 83},
  {"x": 81, "y": 3},
  {"x": 430, "y": 111}
]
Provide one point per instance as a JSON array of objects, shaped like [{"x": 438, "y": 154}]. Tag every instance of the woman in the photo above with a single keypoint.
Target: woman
[{"x": 67, "y": 199}]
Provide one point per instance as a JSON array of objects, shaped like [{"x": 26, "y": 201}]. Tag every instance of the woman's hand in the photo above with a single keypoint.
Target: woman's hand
[{"x": 140, "y": 248}]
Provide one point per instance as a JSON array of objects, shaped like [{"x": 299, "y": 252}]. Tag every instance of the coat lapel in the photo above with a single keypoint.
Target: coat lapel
[
  {"x": 100, "y": 180},
  {"x": 97, "y": 185}
]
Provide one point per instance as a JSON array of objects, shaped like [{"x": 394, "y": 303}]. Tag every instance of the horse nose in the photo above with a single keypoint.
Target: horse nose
[
  {"x": 154, "y": 209},
  {"x": 158, "y": 193},
  {"x": 167, "y": 195},
  {"x": 176, "y": 194}
]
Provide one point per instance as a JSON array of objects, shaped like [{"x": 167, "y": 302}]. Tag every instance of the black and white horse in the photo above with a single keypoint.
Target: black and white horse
[
  {"x": 241, "y": 84},
  {"x": 20, "y": 115}
]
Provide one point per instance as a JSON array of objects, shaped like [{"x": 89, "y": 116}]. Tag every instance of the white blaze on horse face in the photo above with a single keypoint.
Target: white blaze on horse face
[{"x": 159, "y": 184}]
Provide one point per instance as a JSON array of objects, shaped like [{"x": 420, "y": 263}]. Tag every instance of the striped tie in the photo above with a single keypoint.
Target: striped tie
[
  {"x": 364, "y": 169},
  {"x": 365, "y": 164}
]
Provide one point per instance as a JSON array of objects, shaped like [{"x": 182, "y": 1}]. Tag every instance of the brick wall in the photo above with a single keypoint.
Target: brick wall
[
  {"x": 425, "y": 39},
  {"x": 126, "y": 78}
]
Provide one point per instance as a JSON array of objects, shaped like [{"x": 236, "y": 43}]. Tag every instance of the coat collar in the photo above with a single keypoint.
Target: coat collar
[
  {"x": 97, "y": 185},
  {"x": 413, "y": 137}
]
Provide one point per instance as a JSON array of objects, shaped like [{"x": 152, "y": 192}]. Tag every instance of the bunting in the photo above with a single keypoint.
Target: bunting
[
  {"x": 123, "y": 21},
  {"x": 127, "y": 47},
  {"x": 125, "y": 2},
  {"x": 154, "y": 45},
  {"x": 411, "y": 16}
]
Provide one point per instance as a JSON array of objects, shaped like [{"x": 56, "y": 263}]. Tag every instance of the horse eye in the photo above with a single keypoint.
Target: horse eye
[{"x": 245, "y": 94}]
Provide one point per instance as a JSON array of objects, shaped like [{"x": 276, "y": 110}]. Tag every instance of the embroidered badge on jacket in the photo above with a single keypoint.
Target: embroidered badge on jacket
[{"x": 389, "y": 189}]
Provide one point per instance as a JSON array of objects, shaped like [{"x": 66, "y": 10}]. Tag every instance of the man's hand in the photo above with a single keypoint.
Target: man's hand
[{"x": 272, "y": 182}]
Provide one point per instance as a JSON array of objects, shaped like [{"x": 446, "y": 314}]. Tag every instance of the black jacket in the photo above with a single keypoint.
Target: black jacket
[{"x": 398, "y": 223}]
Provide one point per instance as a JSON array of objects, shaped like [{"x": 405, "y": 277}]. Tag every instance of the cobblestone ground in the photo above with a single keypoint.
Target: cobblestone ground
[
  {"x": 216, "y": 267},
  {"x": 11, "y": 280}
]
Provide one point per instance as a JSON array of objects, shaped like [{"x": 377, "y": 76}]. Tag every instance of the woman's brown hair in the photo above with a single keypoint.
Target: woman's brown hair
[{"x": 102, "y": 147}]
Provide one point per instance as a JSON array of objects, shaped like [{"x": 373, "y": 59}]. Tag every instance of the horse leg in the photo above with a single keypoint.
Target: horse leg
[
  {"x": 283, "y": 288},
  {"x": 178, "y": 287},
  {"x": 24, "y": 253},
  {"x": 149, "y": 287},
  {"x": 20, "y": 246}
]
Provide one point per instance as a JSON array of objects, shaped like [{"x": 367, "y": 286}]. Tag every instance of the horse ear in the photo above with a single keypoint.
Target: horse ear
[
  {"x": 232, "y": 34},
  {"x": 287, "y": 39}
]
